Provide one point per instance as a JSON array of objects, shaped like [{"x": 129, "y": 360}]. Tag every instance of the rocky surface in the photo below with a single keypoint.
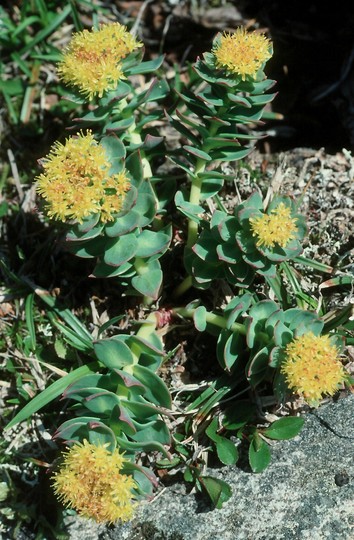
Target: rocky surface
[{"x": 306, "y": 493}]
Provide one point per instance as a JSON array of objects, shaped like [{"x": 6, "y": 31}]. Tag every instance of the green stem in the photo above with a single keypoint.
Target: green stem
[
  {"x": 146, "y": 329},
  {"x": 196, "y": 186},
  {"x": 183, "y": 287},
  {"x": 212, "y": 318},
  {"x": 220, "y": 321},
  {"x": 133, "y": 135},
  {"x": 135, "y": 138},
  {"x": 142, "y": 268},
  {"x": 194, "y": 198}
]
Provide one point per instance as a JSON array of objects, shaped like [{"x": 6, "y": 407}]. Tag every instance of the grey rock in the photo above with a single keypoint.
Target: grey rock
[{"x": 307, "y": 493}]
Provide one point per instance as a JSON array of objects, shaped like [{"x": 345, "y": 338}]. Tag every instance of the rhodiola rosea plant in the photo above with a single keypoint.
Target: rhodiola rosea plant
[{"x": 101, "y": 186}]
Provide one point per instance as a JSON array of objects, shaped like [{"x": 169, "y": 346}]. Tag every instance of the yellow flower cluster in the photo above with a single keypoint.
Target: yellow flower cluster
[
  {"x": 242, "y": 53},
  {"x": 312, "y": 366},
  {"x": 278, "y": 227},
  {"x": 92, "y": 61},
  {"x": 90, "y": 481},
  {"x": 76, "y": 183}
]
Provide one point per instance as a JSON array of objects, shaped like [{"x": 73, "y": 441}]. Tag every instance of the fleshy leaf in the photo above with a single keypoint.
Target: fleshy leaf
[
  {"x": 113, "y": 353},
  {"x": 149, "y": 281},
  {"x": 120, "y": 250}
]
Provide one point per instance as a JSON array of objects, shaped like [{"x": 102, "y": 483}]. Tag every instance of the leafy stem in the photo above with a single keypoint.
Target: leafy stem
[
  {"x": 219, "y": 321},
  {"x": 196, "y": 186}
]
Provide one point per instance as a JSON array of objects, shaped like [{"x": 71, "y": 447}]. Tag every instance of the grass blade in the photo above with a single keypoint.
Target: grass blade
[
  {"x": 29, "y": 315},
  {"x": 50, "y": 393},
  {"x": 48, "y": 30}
]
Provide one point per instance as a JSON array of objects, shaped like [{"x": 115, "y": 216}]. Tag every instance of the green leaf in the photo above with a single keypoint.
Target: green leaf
[
  {"x": 226, "y": 451},
  {"x": 123, "y": 225},
  {"x": 114, "y": 148},
  {"x": 107, "y": 382},
  {"x": 186, "y": 167},
  {"x": 72, "y": 429},
  {"x": 211, "y": 430},
  {"x": 200, "y": 154},
  {"x": 192, "y": 211},
  {"x": 258, "y": 314},
  {"x": 156, "y": 390},
  {"x": 120, "y": 250},
  {"x": 183, "y": 130},
  {"x": 205, "y": 247},
  {"x": 134, "y": 165},
  {"x": 159, "y": 89},
  {"x": 301, "y": 321},
  {"x": 88, "y": 248},
  {"x": 210, "y": 187},
  {"x": 199, "y": 318},
  {"x": 230, "y": 155},
  {"x": 257, "y": 367},
  {"x": 103, "y": 270},
  {"x": 282, "y": 334},
  {"x": 101, "y": 403},
  {"x": 100, "y": 434},
  {"x": 153, "y": 347},
  {"x": 119, "y": 125},
  {"x": 258, "y": 454},
  {"x": 262, "y": 99},
  {"x": 149, "y": 446},
  {"x": 145, "y": 67},
  {"x": 88, "y": 229},
  {"x": 285, "y": 428},
  {"x": 233, "y": 347},
  {"x": 113, "y": 353},
  {"x": 237, "y": 306},
  {"x": 146, "y": 205},
  {"x": 167, "y": 463},
  {"x": 153, "y": 243},
  {"x": 149, "y": 280},
  {"x": 51, "y": 393},
  {"x": 155, "y": 430},
  {"x": 218, "y": 490},
  {"x": 222, "y": 142},
  {"x": 141, "y": 411},
  {"x": 191, "y": 121}
]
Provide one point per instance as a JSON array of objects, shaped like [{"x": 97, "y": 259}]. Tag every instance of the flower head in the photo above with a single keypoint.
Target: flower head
[
  {"x": 312, "y": 366},
  {"x": 89, "y": 480},
  {"x": 76, "y": 183},
  {"x": 278, "y": 227},
  {"x": 92, "y": 61},
  {"x": 242, "y": 53}
]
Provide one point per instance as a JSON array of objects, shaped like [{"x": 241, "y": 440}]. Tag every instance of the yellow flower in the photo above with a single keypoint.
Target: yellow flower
[
  {"x": 312, "y": 366},
  {"x": 89, "y": 480},
  {"x": 242, "y": 53},
  {"x": 76, "y": 184},
  {"x": 92, "y": 61},
  {"x": 278, "y": 227}
]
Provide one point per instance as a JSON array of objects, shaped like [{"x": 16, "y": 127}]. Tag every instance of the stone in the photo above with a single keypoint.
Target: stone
[{"x": 306, "y": 493}]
